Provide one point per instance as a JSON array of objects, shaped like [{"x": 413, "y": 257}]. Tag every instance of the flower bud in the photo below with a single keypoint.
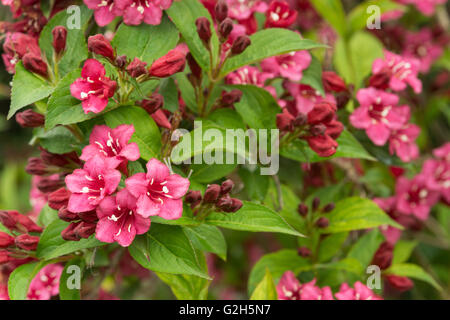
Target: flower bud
[
  {"x": 225, "y": 203},
  {"x": 37, "y": 167},
  {"x": 300, "y": 120},
  {"x": 380, "y": 80},
  {"x": 285, "y": 121},
  {"x": 137, "y": 68},
  {"x": 203, "y": 29},
  {"x": 383, "y": 256},
  {"x": 4, "y": 257},
  {"x": 231, "y": 97},
  {"x": 225, "y": 28},
  {"x": 152, "y": 104},
  {"x": 30, "y": 119},
  {"x": 323, "y": 112},
  {"x": 226, "y": 186},
  {"x": 304, "y": 252},
  {"x": 66, "y": 215},
  {"x": 89, "y": 216},
  {"x": 400, "y": 283},
  {"x": 328, "y": 208},
  {"x": 7, "y": 219},
  {"x": 5, "y": 240},
  {"x": 211, "y": 193},
  {"x": 59, "y": 198},
  {"x": 35, "y": 64},
  {"x": 193, "y": 196},
  {"x": 23, "y": 223},
  {"x": 240, "y": 44},
  {"x": 332, "y": 82},
  {"x": 27, "y": 242},
  {"x": 47, "y": 185},
  {"x": 195, "y": 68},
  {"x": 334, "y": 129},
  {"x": 121, "y": 61},
  {"x": 315, "y": 204},
  {"x": 98, "y": 44},
  {"x": 302, "y": 209},
  {"x": 173, "y": 62},
  {"x": 59, "y": 39},
  {"x": 85, "y": 229},
  {"x": 236, "y": 204},
  {"x": 322, "y": 222},
  {"x": 69, "y": 234},
  {"x": 221, "y": 10}
]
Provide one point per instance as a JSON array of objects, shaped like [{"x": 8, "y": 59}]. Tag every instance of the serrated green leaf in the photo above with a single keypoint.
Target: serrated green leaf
[{"x": 208, "y": 238}]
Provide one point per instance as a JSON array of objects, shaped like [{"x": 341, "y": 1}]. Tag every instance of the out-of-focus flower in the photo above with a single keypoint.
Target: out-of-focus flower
[
  {"x": 306, "y": 97},
  {"x": 46, "y": 283},
  {"x": 359, "y": 292},
  {"x": 437, "y": 173},
  {"x": 134, "y": 12},
  {"x": 421, "y": 45},
  {"x": 289, "y": 288},
  {"x": 400, "y": 283},
  {"x": 244, "y": 9},
  {"x": 289, "y": 65},
  {"x": 427, "y": 7},
  {"x": 280, "y": 15},
  {"x": 250, "y": 75},
  {"x": 16, "y": 45},
  {"x": 403, "y": 142}
]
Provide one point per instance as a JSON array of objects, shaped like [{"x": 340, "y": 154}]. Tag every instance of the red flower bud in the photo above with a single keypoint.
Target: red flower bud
[
  {"x": 231, "y": 97},
  {"x": 89, "y": 216},
  {"x": 323, "y": 145},
  {"x": 5, "y": 240},
  {"x": 121, "y": 61},
  {"x": 328, "y": 208},
  {"x": 193, "y": 65},
  {"x": 152, "y": 104},
  {"x": 26, "y": 222},
  {"x": 380, "y": 80},
  {"x": 203, "y": 29},
  {"x": 221, "y": 10},
  {"x": 225, "y": 28},
  {"x": 59, "y": 198},
  {"x": 137, "y": 68},
  {"x": 85, "y": 229},
  {"x": 302, "y": 209},
  {"x": 7, "y": 219},
  {"x": 98, "y": 44},
  {"x": 59, "y": 39},
  {"x": 35, "y": 64},
  {"x": 27, "y": 242},
  {"x": 66, "y": 215},
  {"x": 167, "y": 65},
  {"x": 322, "y": 222},
  {"x": 47, "y": 185},
  {"x": 69, "y": 234},
  {"x": 30, "y": 119},
  {"x": 225, "y": 203},
  {"x": 322, "y": 112},
  {"x": 400, "y": 283},
  {"x": 211, "y": 193},
  {"x": 193, "y": 196},
  {"x": 318, "y": 129},
  {"x": 285, "y": 121},
  {"x": 383, "y": 256},
  {"x": 300, "y": 120},
  {"x": 240, "y": 44},
  {"x": 334, "y": 129},
  {"x": 226, "y": 186},
  {"x": 304, "y": 252},
  {"x": 315, "y": 204},
  {"x": 4, "y": 257},
  {"x": 332, "y": 82},
  {"x": 37, "y": 167},
  {"x": 236, "y": 204}
]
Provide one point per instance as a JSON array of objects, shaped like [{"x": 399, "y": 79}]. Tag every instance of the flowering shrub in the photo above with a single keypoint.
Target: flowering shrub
[{"x": 299, "y": 145}]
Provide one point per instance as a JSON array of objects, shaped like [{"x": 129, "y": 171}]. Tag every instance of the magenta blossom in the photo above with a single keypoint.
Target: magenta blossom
[
  {"x": 158, "y": 191},
  {"x": 46, "y": 283},
  {"x": 415, "y": 197},
  {"x": 90, "y": 185},
  {"x": 427, "y": 7},
  {"x": 280, "y": 15},
  {"x": 390, "y": 233},
  {"x": 104, "y": 10},
  {"x": 306, "y": 97},
  {"x": 289, "y": 65},
  {"x": 244, "y": 9},
  {"x": 135, "y": 12},
  {"x": 93, "y": 88},
  {"x": 438, "y": 176},
  {"x": 359, "y": 292},
  {"x": 401, "y": 71},
  {"x": 250, "y": 75},
  {"x": 402, "y": 142},
  {"x": 289, "y": 288},
  {"x": 421, "y": 45},
  {"x": 118, "y": 220},
  {"x": 443, "y": 152},
  {"x": 112, "y": 143},
  {"x": 378, "y": 114}
]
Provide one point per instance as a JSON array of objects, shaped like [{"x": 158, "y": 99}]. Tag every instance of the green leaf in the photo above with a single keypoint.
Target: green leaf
[
  {"x": 183, "y": 14},
  {"x": 187, "y": 91},
  {"x": 255, "y": 184},
  {"x": 64, "y": 292},
  {"x": 348, "y": 147},
  {"x": 21, "y": 277},
  {"x": 266, "y": 289},
  {"x": 205, "y": 173},
  {"x": 47, "y": 216},
  {"x": 257, "y": 107},
  {"x": 366, "y": 246},
  {"x": 146, "y": 42},
  {"x": 168, "y": 89},
  {"x": 58, "y": 140},
  {"x": 412, "y": 271},
  {"x": 356, "y": 213},
  {"x": 268, "y": 43},
  {"x": 252, "y": 217},
  {"x": 330, "y": 246},
  {"x": 146, "y": 135},
  {"x": 277, "y": 263},
  {"x": 27, "y": 88},
  {"x": 208, "y": 238},
  {"x": 403, "y": 250},
  {"x": 63, "y": 108},
  {"x": 333, "y": 12},
  {"x": 167, "y": 249},
  {"x": 312, "y": 76},
  {"x": 351, "y": 265},
  {"x": 52, "y": 245}
]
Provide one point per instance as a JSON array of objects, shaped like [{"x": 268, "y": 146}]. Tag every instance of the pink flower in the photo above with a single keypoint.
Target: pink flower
[
  {"x": 289, "y": 287},
  {"x": 104, "y": 10},
  {"x": 425, "y": 6},
  {"x": 289, "y": 65},
  {"x": 118, "y": 220},
  {"x": 93, "y": 88},
  {"x": 112, "y": 143},
  {"x": 443, "y": 152},
  {"x": 244, "y": 9},
  {"x": 90, "y": 185},
  {"x": 158, "y": 191},
  {"x": 148, "y": 11},
  {"x": 388, "y": 205},
  {"x": 46, "y": 283},
  {"x": 415, "y": 197},
  {"x": 421, "y": 45},
  {"x": 360, "y": 292},
  {"x": 250, "y": 75},
  {"x": 402, "y": 142},
  {"x": 378, "y": 114},
  {"x": 280, "y": 15},
  {"x": 400, "y": 70},
  {"x": 309, "y": 291},
  {"x": 438, "y": 176},
  {"x": 306, "y": 97}
]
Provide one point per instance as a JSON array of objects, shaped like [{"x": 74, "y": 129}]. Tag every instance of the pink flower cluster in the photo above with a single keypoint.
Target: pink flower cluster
[
  {"x": 126, "y": 214},
  {"x": 289, "y": 288},
  {"x": 133, "y": 12},
  {"x": 46, "y": 283}
]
